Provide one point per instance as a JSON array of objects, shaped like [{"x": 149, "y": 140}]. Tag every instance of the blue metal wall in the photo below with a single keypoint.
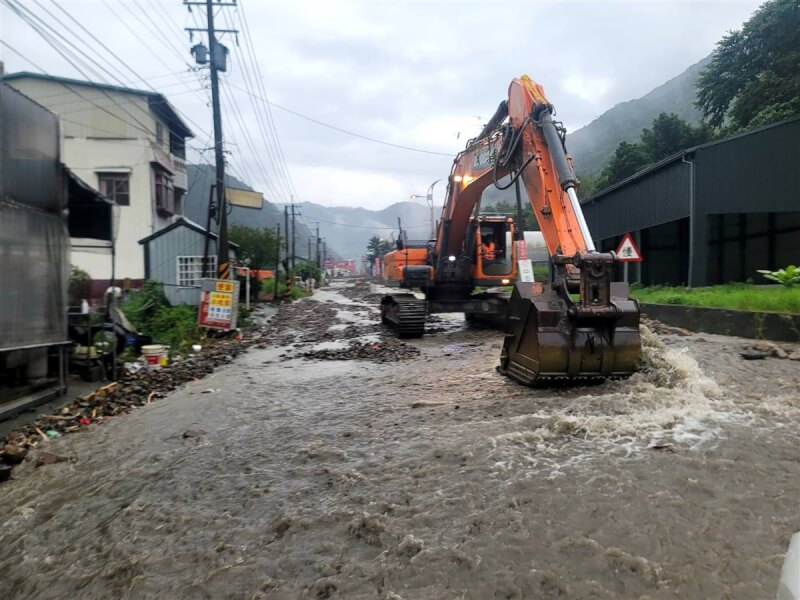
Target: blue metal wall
[{"x": 162, "y": 254}]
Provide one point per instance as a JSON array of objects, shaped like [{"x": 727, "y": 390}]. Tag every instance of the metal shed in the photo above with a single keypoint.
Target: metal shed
[
  {"x": 710, "y": 214},
  {"x": 36, "y": 193},
  {"x": 174, "y": 256}
]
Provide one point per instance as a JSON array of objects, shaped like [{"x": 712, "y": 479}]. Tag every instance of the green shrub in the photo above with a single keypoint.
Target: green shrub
[
  {"x": 80, "y": 285},
  {"x": 787, "y": 277},
  {"x": 150, "y": 312}
]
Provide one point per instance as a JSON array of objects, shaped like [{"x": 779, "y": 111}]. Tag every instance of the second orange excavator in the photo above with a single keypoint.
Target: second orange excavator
[{"x": 580, "y": 324}]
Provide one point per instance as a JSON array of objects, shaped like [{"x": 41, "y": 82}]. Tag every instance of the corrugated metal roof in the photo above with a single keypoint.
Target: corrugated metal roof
[{"x": 183, "y": 222}]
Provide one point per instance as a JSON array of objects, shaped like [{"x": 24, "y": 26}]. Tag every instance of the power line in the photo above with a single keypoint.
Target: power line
[
  {"x": 351, "y": 133},
  {"x": 260, "y": 82},
  {"x": 55, "y": 45},
  {"x": 280, "y": 181}
]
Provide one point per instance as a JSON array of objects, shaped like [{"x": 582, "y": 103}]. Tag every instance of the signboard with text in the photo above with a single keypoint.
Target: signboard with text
[
  {"x": 525, "y": 269},
  {"x": 219, "y": 304}
]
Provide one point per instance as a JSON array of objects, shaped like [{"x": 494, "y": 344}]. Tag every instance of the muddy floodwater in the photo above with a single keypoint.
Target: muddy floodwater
[{"x": 426, "y": 477}]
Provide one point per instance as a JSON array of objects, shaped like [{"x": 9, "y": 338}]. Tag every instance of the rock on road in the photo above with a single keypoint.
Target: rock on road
[{"x": 398, "y": 475}]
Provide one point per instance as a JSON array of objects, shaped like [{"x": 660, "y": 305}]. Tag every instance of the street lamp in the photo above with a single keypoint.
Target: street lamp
[{"x": 429, "y": 199}]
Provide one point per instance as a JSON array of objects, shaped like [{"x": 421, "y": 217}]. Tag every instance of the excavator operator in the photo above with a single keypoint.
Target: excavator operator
[{"x": 487, "y": 247}]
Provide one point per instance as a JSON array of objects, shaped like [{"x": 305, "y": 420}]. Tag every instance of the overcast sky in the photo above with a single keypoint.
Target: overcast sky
[{"x": 418, "y": 73}]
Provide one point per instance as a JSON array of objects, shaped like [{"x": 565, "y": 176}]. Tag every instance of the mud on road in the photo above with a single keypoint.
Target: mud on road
[{"x": 415, "y": 471}]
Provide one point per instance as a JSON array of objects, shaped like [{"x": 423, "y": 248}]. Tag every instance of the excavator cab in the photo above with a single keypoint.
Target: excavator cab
[{"x": 494, "y": 254}]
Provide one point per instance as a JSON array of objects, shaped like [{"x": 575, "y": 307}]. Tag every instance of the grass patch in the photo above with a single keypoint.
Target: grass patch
[{"x": 737, "y": 296}]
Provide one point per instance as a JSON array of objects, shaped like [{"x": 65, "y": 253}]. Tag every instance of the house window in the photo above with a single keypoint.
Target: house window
[
  {"x": 190, "y": 270},
  {"x": 116, "y": 187},
  {"x": 165, "y": 194},
  {"x": 159, "y": 134}
]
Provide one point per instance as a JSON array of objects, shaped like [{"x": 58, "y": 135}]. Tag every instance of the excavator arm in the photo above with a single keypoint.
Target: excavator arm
[{"x": 580, "y": 325}]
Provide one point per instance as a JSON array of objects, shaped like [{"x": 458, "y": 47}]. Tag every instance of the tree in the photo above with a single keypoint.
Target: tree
[
  {"x": 669, "y": 134},
  {"x": 504, "y": 207},
  {"x": 376, "y": 248},
  {"x": 305, "y": 270},
  {"x": 628, "y": 159},
  {"x": 754, "y": 75},
  {"x": 258, "y": 245}
]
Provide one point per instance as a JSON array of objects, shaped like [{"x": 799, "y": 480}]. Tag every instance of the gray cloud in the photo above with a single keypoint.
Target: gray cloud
[{"x": 412, "y": 73}]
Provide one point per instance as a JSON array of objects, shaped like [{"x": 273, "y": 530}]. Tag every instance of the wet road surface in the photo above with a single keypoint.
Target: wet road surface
[{"x": 430, "y": 477}]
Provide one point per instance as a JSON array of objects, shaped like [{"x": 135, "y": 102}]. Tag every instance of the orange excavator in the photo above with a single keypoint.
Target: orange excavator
[{"x": 580, "y": 324}]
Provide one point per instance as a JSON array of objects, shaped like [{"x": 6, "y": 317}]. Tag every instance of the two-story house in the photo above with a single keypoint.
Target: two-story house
[{"x": 131, "y": 145}]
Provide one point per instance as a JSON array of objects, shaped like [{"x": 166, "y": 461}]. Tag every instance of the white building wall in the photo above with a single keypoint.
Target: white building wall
[
  {"x": 107, "y": 131},
  {"x": 90, "y": 157}
]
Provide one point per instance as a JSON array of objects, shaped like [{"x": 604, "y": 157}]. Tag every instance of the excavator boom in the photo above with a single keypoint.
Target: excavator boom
[
  {"x": 551, "y": 334},
  {"x": 579, "y": 325}
]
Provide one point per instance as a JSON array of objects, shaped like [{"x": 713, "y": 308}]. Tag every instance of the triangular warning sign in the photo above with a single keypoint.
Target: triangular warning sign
[{"x": 627, "y": 250}]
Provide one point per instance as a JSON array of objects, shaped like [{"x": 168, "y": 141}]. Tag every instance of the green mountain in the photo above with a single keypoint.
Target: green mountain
[{"x": 593, "y": 145}]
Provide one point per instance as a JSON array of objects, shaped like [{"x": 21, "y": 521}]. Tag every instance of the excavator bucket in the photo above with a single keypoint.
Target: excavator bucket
[{"x": 550, "y": 337}]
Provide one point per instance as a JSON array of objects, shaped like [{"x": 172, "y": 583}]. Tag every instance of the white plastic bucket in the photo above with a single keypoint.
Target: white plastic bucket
[{"x": 155, "y": 356}]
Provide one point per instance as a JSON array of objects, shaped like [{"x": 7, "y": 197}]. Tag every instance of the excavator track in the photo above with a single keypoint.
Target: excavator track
[{"x": 405, "y": 314}]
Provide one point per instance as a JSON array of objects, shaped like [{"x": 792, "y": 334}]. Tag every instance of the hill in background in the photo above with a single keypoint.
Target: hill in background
[
  {"x": 201, "y": 178},
  {"x": 593, "y": 145},
  {"x": 349, "y": 229}
]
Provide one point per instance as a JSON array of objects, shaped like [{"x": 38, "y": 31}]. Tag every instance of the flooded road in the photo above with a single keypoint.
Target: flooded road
[{"x": 426, "y": 477}]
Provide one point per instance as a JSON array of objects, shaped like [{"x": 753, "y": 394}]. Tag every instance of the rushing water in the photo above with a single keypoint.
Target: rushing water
[{"x": 426, "y": 479}]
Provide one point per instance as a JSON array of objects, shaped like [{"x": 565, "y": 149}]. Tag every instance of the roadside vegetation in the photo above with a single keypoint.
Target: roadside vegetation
[
  {"x": 736, "y": 296},
  {"x": 150, "y": 312},
  {"x": 268, "y": 288}
]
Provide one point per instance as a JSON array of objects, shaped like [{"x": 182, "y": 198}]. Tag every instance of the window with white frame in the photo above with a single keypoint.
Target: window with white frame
[{"x": 190, "y": 270}]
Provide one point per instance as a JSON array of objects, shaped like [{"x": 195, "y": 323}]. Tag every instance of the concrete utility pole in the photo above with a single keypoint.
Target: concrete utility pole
[
  {"x": 216, "y": 56},
  {"x": 294, "y": 234},
  {"x": 277, "y": 261},
  {"x": 319, "y": 262},
  {"x": 286, "y": 229}
]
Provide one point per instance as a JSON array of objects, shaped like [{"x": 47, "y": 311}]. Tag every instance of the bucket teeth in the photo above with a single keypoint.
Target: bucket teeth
[{"x": 547, "y": 343}]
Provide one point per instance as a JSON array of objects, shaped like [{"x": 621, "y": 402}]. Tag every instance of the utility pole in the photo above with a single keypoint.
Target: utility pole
[
  {"x": 286, "y": 229},
  {"x": 216, "y": 56},
  {"x": 317, "y": 256},
  {"x": 277, "y": 261},
  {"x": 294, "y": 234}
]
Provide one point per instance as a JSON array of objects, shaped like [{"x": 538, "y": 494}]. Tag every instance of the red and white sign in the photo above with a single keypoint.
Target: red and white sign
[{"x": 627, "y": 250}]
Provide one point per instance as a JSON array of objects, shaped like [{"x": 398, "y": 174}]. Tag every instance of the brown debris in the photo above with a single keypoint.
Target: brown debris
[
  {"x": 49, "y": 458},
  {"x": 193, "y": 433}
]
